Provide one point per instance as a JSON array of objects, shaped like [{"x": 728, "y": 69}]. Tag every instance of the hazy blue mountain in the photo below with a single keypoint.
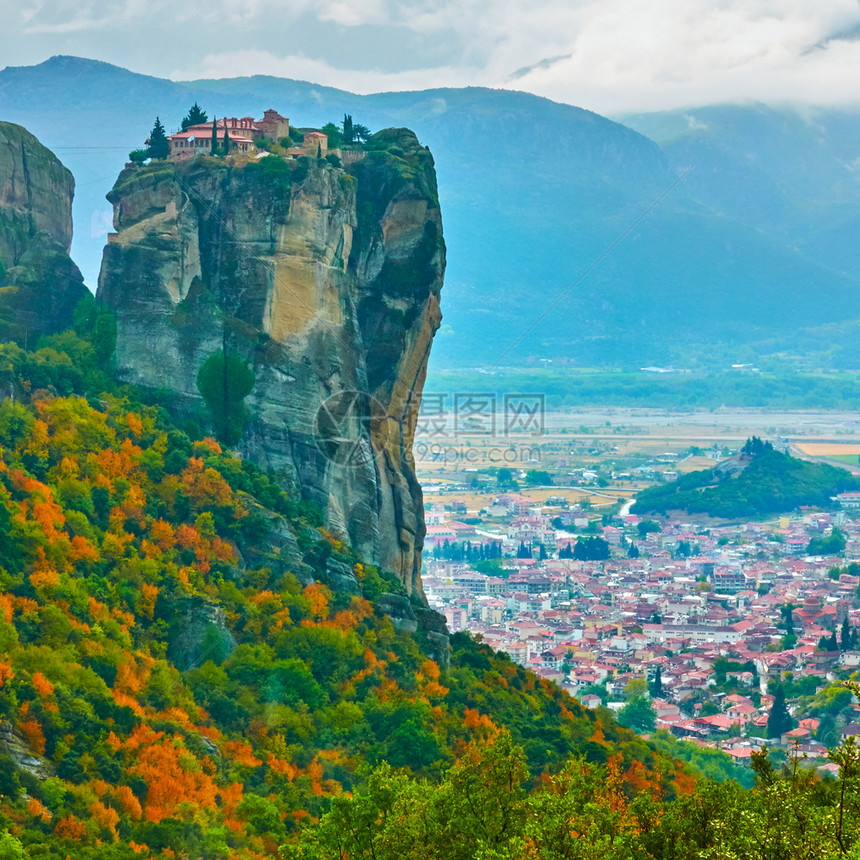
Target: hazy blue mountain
[
  {"x": 792, "y": 174},
  {"x": 751, "y": 255}
]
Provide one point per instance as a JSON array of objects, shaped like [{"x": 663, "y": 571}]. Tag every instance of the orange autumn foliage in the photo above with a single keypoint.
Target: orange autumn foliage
[
  {"x": 82, "y": 550},
  {"x": 187, "y": 536},
  {"x": 70, "y": 828},
  {"x": 637, "y": 777},
  {"x": 6, "y": 608},
  {"x": 32, "y": 731},
  {"x": 146, "y": 601},
  {"x": 613, "y": 791},
  {"x": 134, "y": 424},
  {"x": 210, "y": 445},
  {"x": 205, "y": 486},
  {"x": 242, "y": 753},
  {"x": 163, "y": 534},
  {"x": 684, "y": 783},
  {"x": 473, "y": 719},
  {"x": 106, "y": 817},
  {"x": 45, "y": 578},
  {"x": 163, "y": 765},
  {"x": 124, "y": 700},
  {"x": 97, "y": 609},
  {"x": 282, "y": 767},
  {"x": 6, "y": 672},
  {"x": 38, "y": 810},
  {"x": 315, "y": 773},
  {"x": 129, "y": 677},
  {"x": 43, "y": 686},
  {"x": 598, "y": 737},
  {"x": 318, "y": 597}
]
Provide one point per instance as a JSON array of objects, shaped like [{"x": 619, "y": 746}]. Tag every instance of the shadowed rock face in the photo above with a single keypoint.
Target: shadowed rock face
[
  {"x": 323, "y": 280},
  {"x": 41, "y": 285}
]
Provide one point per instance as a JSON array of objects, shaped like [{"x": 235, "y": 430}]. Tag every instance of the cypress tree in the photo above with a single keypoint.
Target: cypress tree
[
  {"x": 214, "y": 136},
  {"x": 846, "y": 635},
  {"x": 779, "y": 720},
  {"x": 657, "y": 684},
  {"x": 226, "y": 138},
  {"x": 833, "y": 642}
]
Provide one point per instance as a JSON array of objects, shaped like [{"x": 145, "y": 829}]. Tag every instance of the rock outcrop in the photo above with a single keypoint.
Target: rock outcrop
[
  {"x": 301, "y": 298},
  {"x": 40, "y": 283}
]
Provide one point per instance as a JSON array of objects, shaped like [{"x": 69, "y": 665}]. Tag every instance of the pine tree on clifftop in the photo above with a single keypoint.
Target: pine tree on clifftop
[
  {"x": 159, "y": 145},
  {"x": 195, "y": 116}
]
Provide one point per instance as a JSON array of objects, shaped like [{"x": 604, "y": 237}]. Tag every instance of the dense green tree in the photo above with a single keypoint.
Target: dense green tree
[
  {"x": 362, "y": 132},
  {"x": 846, "y": 635},
  {"x": 538, "y": 477},
  {"x": 646, "y": 527},
  {"x": 832, "y": 544},
  {"x": 334, "y": 135},
  {"x": 225, "y": 382},
  {"x": 591, "y": 549},
  {"x": 779, "y": 720},
  {"x": 159, "y": 145},
  {"x": 656, "y": 685},
  {"x": 638, "y": 714},
  {"x": 348, "y": 129},
  {"x": 505, "y": 477},
  {"x": 195, "y": 116}
]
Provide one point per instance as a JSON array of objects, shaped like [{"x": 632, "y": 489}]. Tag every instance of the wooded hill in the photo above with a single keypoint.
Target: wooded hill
[
  {"x": 760, "y": 481},
  {"x": 169, "y": 680}
]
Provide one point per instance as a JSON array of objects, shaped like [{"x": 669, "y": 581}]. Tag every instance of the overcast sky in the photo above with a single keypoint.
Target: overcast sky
[{"x": 607, "y": 55}]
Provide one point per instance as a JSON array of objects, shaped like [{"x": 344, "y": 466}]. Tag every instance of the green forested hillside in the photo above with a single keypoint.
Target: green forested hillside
[
  {"x": 175, "y": 678},
  {"x": 760, "y": 481},
  {"x": 484, "y": 807}
]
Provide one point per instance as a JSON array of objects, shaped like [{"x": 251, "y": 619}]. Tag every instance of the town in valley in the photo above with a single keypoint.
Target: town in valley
[{"x": 682, "y": 623}]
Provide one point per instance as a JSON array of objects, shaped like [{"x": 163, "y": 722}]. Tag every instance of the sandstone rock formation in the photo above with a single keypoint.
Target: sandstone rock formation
[
  {"x": 40, "y": 284},
  {"x": 325, "y": 282}
]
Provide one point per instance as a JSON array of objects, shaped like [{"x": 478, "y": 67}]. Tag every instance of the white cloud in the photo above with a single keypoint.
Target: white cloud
[
  {"x": 303, "y": 68},
  {"x": 608, "y": 55},
  {"x": 630, "y": 56}
]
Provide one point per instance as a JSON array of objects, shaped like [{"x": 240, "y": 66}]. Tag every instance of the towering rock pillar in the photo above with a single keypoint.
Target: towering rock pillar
[
  {"x": 40, "y": 284},
  {"x": 323, "y": 282}
]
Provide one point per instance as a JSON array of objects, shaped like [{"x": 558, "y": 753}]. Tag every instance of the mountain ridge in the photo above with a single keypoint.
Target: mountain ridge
[{"x": 534, "y": 193}]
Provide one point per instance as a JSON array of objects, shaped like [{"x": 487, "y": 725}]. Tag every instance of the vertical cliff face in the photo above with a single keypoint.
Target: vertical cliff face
[
  {"x": 324, "y": 281},
  {"x": 41, "y": 285}
]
